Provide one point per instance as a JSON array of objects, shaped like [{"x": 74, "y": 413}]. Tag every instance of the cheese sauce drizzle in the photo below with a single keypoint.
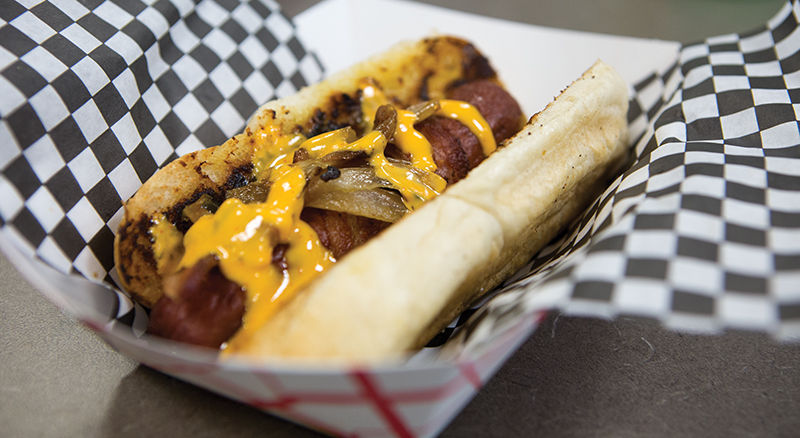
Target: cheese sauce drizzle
[
  {"x": 469, "y": 116},
  {"x": 244, "y": 236}
]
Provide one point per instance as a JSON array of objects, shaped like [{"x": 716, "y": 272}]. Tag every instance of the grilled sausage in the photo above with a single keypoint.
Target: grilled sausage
[
  {"x": 208, "y": 309},
  {"x": 455, "y": 149}
]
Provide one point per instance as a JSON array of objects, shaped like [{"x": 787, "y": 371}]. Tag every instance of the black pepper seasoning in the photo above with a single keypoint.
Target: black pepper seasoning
[{"x": 331, "y": 172}]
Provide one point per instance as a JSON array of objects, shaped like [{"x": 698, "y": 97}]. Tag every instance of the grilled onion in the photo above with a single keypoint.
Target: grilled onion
[{"x": 356, "y": 191}]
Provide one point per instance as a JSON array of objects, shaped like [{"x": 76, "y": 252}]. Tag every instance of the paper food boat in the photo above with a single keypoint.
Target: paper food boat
[{"x": 148, "y": 84}]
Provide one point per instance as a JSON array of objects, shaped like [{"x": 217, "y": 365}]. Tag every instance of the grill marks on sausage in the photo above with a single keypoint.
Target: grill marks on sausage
[
  {"x": 456, "y": 150},
  {"x": 341, "y": 232},
  {"x": 450, "y": 158}
]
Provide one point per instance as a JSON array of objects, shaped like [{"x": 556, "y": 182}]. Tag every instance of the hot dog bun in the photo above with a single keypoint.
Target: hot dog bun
[{"x": 392, "y": 294}]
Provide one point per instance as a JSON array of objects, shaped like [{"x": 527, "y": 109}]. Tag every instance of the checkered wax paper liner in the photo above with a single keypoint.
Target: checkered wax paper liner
[
  {"x": 703, "y": 231},
  {"x": 96, "y": 96}
]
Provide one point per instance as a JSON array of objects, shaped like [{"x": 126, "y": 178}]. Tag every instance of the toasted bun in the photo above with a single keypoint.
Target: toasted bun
[{"x": 394, "y": 293}]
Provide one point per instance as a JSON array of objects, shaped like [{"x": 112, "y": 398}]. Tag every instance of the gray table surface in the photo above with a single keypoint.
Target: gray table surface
[{"x": 573, "y": 377}]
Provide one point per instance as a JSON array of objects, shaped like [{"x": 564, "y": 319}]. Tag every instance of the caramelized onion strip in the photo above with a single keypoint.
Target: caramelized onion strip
[{"x": 356, "y": 191}]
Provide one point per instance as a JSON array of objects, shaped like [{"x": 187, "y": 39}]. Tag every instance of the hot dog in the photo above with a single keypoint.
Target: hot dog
[
  {"x": 303, "y": 259},
  {"x": 455, "y": 151}
]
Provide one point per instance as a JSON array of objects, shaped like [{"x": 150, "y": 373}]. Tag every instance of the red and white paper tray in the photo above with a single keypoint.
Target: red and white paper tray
[{"x": 702, "y": 232}]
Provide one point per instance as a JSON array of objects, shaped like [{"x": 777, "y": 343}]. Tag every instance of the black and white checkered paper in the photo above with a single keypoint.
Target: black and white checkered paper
[
  {"x": 701, "y": 232},
  {"x": 97, "y": 95}
]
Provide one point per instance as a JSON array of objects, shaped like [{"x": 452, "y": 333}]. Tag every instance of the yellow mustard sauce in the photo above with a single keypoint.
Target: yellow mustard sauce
[
  {"x": 469, "y": 116},
  {"x": 167, "y": 247},
  {"x": 244, "y": 236},
  {"x": 406, "y": 137},
  {"x": 272, "y": 147}
]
